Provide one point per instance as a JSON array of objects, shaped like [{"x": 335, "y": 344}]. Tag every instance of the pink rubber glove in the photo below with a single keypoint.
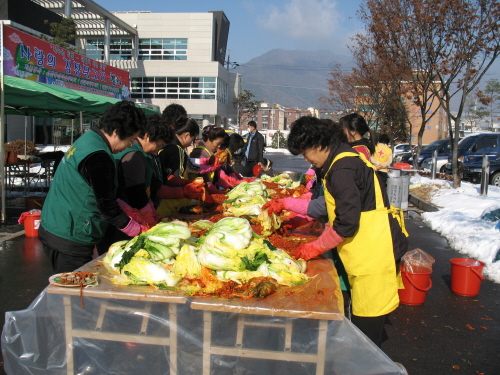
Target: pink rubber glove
[
  {"x": 149, "y": 214},
  {"x": 208, "y": 168},
  {"x": 133, "y": 228},
  {"x": 297, "y": 205},
  {"x": 328, "y": 240},
  {"x": 229, "y": 180},
  {"x": 212, "y": 189},
  {"x": 156, "y": 215},
  {"x": 132, "y": 213}
]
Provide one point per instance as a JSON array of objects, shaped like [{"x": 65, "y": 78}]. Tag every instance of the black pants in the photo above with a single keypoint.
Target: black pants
[
  {"x": 249, "y": 164},
  {"x": 62, "y": 262},
  {"x": 372, "y": 326}
]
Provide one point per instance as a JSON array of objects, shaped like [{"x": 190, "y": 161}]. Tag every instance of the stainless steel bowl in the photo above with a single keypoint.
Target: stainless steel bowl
[{"x": 294, "y": 176}]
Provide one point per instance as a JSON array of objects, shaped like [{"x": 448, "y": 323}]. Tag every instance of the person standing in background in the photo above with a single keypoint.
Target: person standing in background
[
  {"x": 356, "y": 129},
  {"x": 382, "y": 158},
  {"x": 254, "y": 150}
]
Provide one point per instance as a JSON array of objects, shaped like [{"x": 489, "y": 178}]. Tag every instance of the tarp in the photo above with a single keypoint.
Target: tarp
[{"x": 29, "y": 98}]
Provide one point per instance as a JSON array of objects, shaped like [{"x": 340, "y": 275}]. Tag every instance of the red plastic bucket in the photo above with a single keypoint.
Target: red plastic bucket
[
  {"x": 31, "y": 221},
  {"x": 466, "y": 276},
  {"x": 416, "y": 287}
]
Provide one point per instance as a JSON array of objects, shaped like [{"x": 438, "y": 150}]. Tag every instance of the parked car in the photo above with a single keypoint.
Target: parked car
[
  {"x": 472, "y": 148},
  {"x": 472, "y": 172},
  {"x": 443, "y": 145},
  {"x": 400, "y": 148},
  {"x": 440, "y": 165}
]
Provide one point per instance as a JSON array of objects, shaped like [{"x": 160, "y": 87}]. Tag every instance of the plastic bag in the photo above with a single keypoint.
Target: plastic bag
[{"x": 418, "y": 261}]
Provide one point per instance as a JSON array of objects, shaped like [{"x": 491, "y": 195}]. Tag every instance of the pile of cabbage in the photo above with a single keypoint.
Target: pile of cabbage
[
  {"x": 247, "y": 199},
  {"x": 167, "y": 253}
]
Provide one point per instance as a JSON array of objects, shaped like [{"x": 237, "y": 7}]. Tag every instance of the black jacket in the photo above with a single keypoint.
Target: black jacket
[{"x": 256, "y": 147}]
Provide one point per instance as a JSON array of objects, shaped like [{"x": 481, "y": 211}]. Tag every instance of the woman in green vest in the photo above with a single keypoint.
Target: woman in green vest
[
  {"x": 137, "y": 172},
  {"x": 81, "y": 202},
  {"x": 369, "y": 234}
]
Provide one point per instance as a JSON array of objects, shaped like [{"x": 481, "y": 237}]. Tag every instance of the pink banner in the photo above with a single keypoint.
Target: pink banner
[{"x": 31, "y": 58}]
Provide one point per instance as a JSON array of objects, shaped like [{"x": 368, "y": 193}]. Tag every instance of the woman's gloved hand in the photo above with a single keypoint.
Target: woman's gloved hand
[
  {"x": 133, "y": 228},
  {"x": 194, "y": 190},
  {"x": 295, "y": 222},
  {"x": 328, "y": 240},
  {"x": 132, "y": 213},
  {"x": 176, "y": 181},
  {"x": 274, "y": 206},
  {"x": 150, "y": 215}
]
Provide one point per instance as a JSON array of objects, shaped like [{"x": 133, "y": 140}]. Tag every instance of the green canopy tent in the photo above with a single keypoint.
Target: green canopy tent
[{"x": 29, "y": 98}]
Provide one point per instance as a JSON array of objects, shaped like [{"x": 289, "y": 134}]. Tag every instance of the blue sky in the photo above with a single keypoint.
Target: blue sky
[{"x": 258, "y": 26}]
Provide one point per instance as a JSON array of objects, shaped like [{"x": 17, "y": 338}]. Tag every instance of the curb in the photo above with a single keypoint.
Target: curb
[{"x": 423, "y": 205}]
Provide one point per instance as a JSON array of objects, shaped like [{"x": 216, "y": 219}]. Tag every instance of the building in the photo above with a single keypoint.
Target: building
[
  {"x": 171, "y": 57},
  {"x": 274, "y": 117},
  {"x": 436, "y": 128}
]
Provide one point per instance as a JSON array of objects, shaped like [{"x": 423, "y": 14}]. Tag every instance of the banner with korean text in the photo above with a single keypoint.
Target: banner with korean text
[{"x": 31, "y": 58}]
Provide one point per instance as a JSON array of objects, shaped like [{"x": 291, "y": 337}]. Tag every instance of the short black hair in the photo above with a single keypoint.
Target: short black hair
[
  {"x": 124, "y": 117},
  {"x": 336, "y": 129},
  {"x": 252, "y": 124},
  {"x": 384, "y": 138},
  {"x": 173, "y": 112},
  {"x": 212, "y": 132},
  {"x": 310, "y": 132},
  {"x": 236, "y": 142},
  {"x": 157, "y": 129}
]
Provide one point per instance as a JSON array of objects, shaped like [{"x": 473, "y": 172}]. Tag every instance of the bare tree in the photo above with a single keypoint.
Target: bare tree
[
  {"x": 454, "y": 42},
  {"x": 245, "y": 106}
]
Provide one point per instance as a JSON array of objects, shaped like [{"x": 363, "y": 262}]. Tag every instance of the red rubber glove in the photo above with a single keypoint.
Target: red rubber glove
[
  {"x": 249, "y": 179},
  {"x": 150, "y": 215},
  {"x": 173, "y": 180},
  {"x": 328, "y": 240},
  {"x": 193, "y": 190},
  {"x": 133, "y": 228},
  {"x": 274, "y": 206},
  {"x": 296, "y": 222}
]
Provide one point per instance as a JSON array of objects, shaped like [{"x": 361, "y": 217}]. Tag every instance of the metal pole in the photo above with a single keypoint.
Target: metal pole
[
  {"x": 485, "y": 176},
  {"x": 434, "y": 164},
  {"x": 72, "y": 129},
  {"x": 2, "y": 124}
]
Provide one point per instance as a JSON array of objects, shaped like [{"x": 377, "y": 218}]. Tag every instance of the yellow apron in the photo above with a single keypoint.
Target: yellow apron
[
  {"x": 368, "y": 256},
  {"x": 168, "y": 207}
]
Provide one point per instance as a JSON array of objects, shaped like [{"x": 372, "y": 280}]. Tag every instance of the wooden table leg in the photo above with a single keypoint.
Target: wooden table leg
[
  {"x": 68, "y": 331},
  {"x": 207, "y": 338},
  {"x": 173, "y": 338},
  {"x": 322, "y": 335}
]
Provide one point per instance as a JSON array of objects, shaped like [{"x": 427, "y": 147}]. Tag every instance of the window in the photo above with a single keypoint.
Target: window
[
  {"x": 163, "y": 49},
  {"x": 119, "y": 49},
  {"x": 208, "y": 88},
  {"x": 485, "y": 142},
  {"x": 264, "y": 125}
]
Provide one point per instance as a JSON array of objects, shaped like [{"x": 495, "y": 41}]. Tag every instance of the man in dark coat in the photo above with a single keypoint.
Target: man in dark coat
[{"x": 254, "y": 148}]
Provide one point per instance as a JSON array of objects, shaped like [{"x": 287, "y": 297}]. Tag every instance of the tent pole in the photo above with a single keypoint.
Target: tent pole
[
  {"x": 25, "y": 134},
  {"x": 72, "y": 127},
  {"x": 2, "y": 125},
  {"x": 81, "y": 123}
]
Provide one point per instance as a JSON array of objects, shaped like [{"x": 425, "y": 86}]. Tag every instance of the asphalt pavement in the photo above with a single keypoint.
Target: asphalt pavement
[{"x": 448, "y": 334}]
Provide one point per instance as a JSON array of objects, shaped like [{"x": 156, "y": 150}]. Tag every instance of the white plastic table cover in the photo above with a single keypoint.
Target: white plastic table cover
[{"x": 117, "y": 329}]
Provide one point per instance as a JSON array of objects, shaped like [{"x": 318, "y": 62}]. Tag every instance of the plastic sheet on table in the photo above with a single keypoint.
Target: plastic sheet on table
[
  {"x": 143, "y": 330},
  {"x": 418, "y": 261}
]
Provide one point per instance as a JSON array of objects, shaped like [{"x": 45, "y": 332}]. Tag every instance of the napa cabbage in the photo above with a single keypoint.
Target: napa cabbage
[
  {"x": 186, "y": 263},
  {"x": 239, "y": 277},
  {"x": 141, "y": 270}
]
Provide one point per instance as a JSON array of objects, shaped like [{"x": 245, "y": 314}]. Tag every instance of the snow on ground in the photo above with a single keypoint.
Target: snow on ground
[{"x": 459, "y": 221}]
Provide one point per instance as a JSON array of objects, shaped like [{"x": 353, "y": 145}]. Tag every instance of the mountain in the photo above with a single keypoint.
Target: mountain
[{"x": 293, "y": 79}]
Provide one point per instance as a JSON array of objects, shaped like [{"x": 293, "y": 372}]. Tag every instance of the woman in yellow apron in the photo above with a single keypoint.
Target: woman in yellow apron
[{"x": 369, "y": 235}]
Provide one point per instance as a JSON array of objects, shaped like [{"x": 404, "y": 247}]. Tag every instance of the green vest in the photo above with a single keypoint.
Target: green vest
[
  {"x": 150, "y": 164},
  {"x": 70, "y": 209}
]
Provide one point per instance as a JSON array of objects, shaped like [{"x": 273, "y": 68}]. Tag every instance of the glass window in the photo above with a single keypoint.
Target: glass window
[
  {"x": 169, "y": 49},
  {"x": 179, "y": 88}
]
